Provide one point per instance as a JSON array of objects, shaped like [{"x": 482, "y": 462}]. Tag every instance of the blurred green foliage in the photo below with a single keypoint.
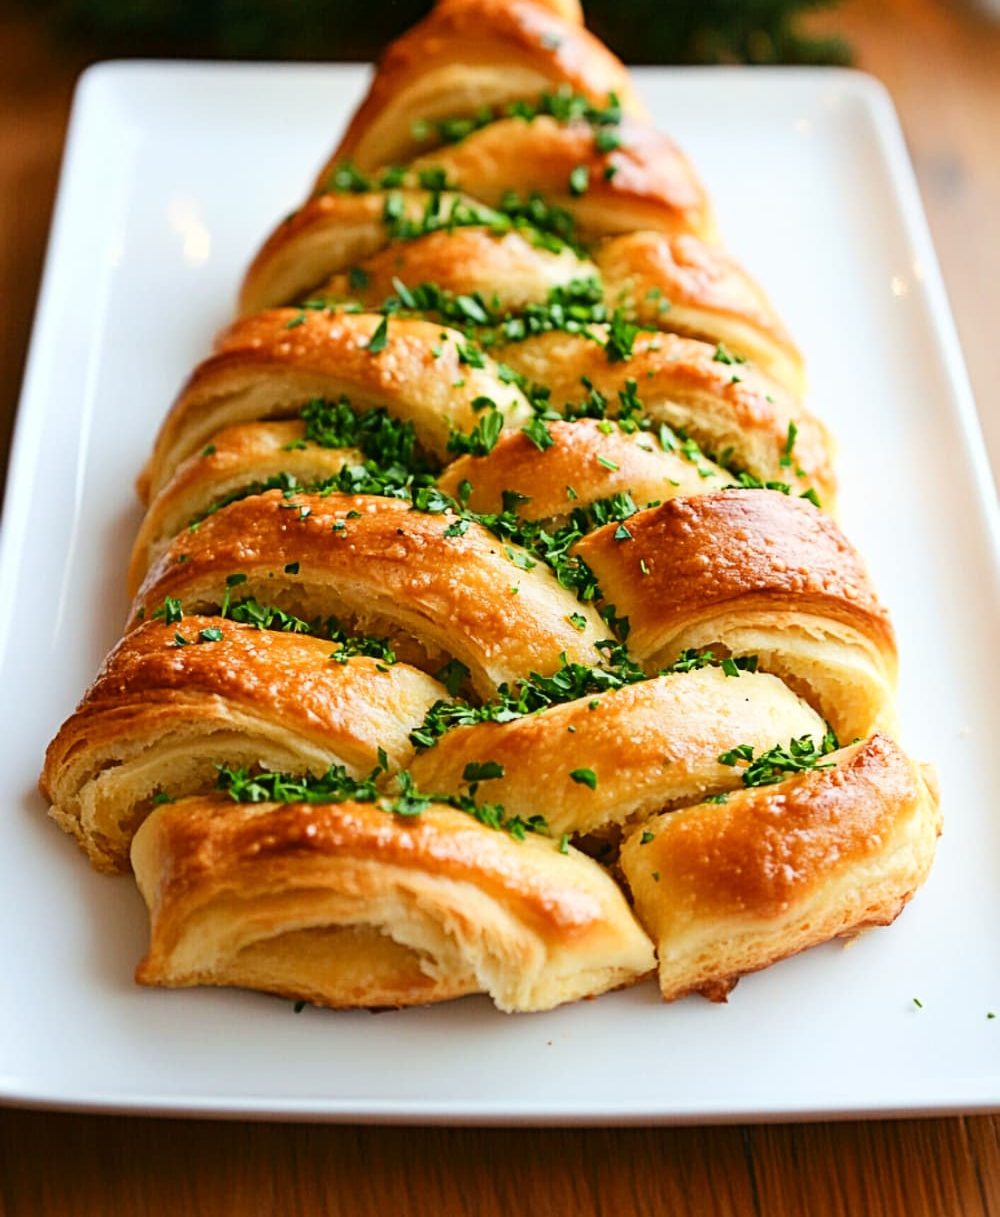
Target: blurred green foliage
[{"x": 640, "y": 31}]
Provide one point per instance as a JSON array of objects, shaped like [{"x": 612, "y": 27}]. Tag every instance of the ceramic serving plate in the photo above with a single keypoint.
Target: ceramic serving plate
[{"x": 173, "y": 175}]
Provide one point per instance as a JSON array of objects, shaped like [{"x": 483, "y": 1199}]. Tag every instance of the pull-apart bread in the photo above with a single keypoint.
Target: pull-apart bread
[{"x": 492, "y": 630}]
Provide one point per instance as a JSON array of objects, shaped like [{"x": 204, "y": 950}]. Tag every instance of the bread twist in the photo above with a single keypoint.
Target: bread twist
[{"x": 491, "y": 625}]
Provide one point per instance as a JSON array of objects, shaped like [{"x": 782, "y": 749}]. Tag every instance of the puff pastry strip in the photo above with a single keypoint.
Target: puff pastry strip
[
  {"x": 467, "y": 55},
  {"x": 728, "y": 889},
  {"x": 505, "y": 269},
  {"x": 160, "y": 716},
  {"x": 649, "y": 746},
  {"x": 761, "y": 573},
  {"x": 237, "y": 458},
  {"x": 681, "y": 284},
  {"x": 644, "y": 183},
  {"x": 333, "y": 232},
  {"x": 294, "y": 898},
  {"x": 729, "y": 408},
  {"x": 269, "y": 366},
  {"x": 586, "y": 462},
  {"x": 388, "y": 570}
]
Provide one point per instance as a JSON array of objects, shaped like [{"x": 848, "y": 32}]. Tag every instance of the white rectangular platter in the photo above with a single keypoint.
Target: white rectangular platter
[{"x": 173, "y": 174}]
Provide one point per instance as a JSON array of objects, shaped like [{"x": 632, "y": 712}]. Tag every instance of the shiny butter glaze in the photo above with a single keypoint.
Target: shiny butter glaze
[
  {"x": 746, "y": 547},
  {"x": 767, "y": 846},
  {"x": 390, "y": 561}
]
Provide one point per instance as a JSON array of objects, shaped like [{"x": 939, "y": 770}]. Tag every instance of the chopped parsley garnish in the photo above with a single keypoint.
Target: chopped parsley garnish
[
  {"x": 570, "y": 682},
  {"x": 723, "y": 356},
  {"x": 482, "y": 771},
  {"x": 579, "y": 180},
  {"x": 482, "y": 439},
  {"x": 775, "y": 764},
  {"x": 584, "y": 777},
  {"x": 786, "y": 456},
  {"x": 538, "y": 433},
  {"x": 453, "y": 675},
  {"x": 379, "y": 338},
  {"x": 621, "y": 337},
  {"x": 691, "y": 659},
  {"x": 336, "y": 785},
  {"x": 169, "y": 612},
  {"x": 564, "y": 105}
]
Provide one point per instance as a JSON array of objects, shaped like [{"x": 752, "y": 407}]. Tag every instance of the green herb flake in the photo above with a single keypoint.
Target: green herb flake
[
  {"x": 482, "y": 771},
  {"x": 169, "y": 612},
  {"x": 378, "y": 340},
  {"x": 584, "y": 777},
  {"x": 775, "y": 764},
  {"x": 453, "y": 675},
  {"x": 579, "y": 180}
]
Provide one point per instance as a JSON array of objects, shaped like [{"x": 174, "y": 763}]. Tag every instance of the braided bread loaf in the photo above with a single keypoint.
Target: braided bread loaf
[{"x": 492, "y": 631}]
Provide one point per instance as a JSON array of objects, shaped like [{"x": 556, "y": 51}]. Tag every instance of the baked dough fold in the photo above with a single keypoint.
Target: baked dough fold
[
  {"x": 645, "y": 747},
  {"x": 755, "y": 572},
  {"x": 467, "y": 55},
  {"x": 172, "y": 702},
  {"x": 346, "y": 904},
  {"x": 271, "y": 365},
  {"x": 730, "y": 888},
  {"x": 732, "y": 410},
  {"x": 587, "y": 461},
  {"x": 436, "y": 589},
  {"x": 238, "y": 458}
]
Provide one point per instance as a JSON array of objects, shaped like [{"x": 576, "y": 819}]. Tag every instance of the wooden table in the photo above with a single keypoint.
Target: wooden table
[{"x": 943, "y": 68}]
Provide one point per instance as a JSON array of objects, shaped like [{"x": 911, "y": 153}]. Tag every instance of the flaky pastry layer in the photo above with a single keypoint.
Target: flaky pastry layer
[
  {"x": 172, "y": 702},
  {"x": 726, "y": 889},
  {"x": 465, "y": 908}
]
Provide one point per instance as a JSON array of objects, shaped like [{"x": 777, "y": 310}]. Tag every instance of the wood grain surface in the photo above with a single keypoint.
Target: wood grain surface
[{"x": 942, "y": 65}]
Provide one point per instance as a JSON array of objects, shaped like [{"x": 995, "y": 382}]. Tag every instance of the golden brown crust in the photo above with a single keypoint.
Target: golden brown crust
[
  {"x": 468, "y": 54},
  {"x": 270, "y": 365},
  {"x": 161, "y": 714},
  {"x": 506, "y": 269},
  {"x": 680, "y": 283},
  {"x": 727, "y": 408},
  {"x": 517, "y": 919},
  {"x": 236, "y": 458},
  {"x": 328, "y": 234},
  {"x": 587, "y": 461},
  {"x": 645, "y": 183},
  {"x": 391, "y": 570},
  {"x": 759, "y": 572},
  {"x": 649, "y": 746},
  {"x": 727, "y": 889}
]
